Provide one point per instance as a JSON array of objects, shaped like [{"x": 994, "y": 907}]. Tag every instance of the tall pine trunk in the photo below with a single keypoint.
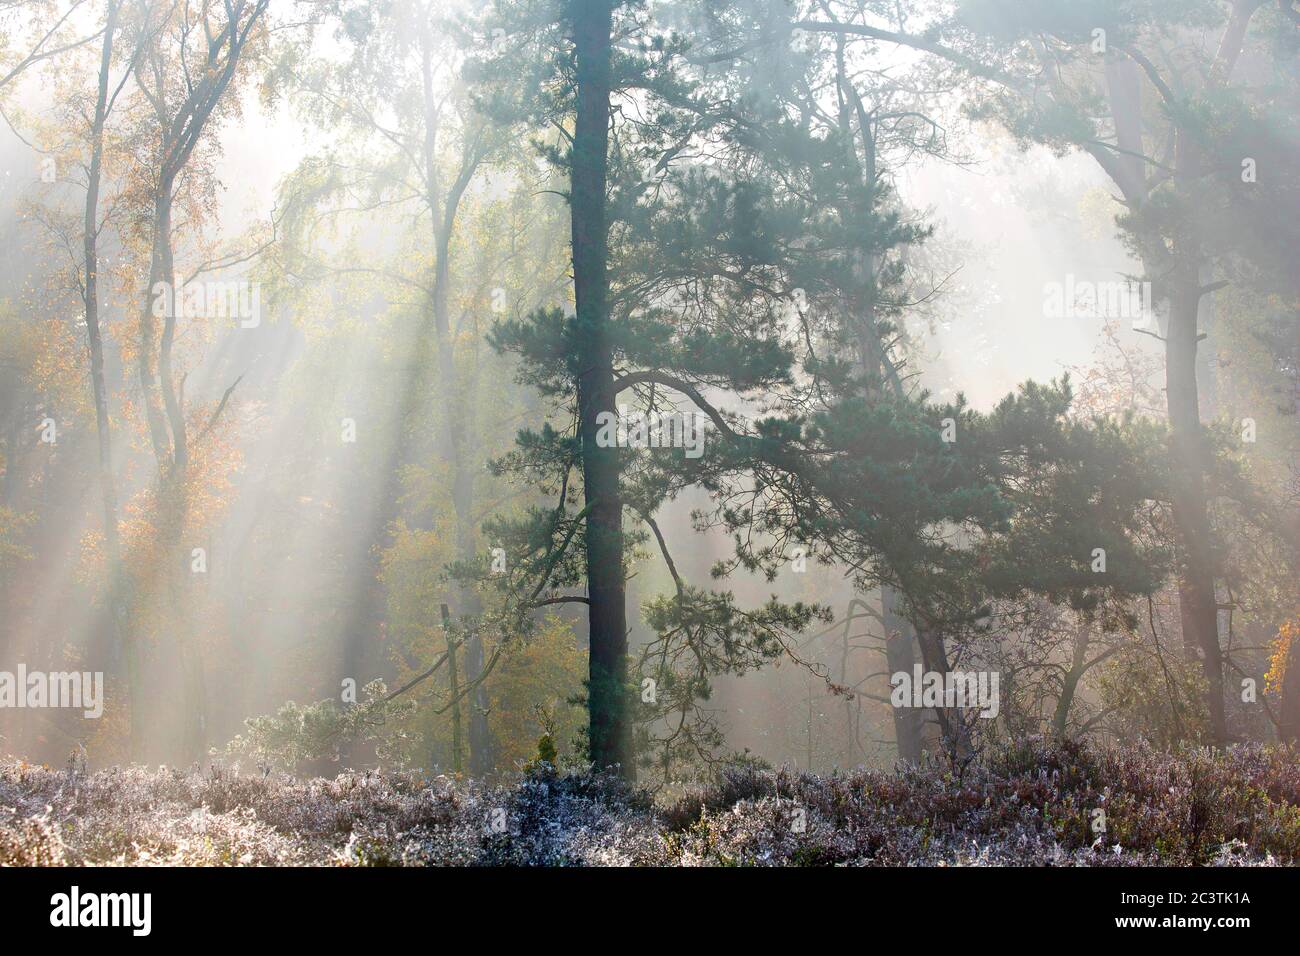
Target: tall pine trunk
[
  {"x": 1181, "y": 268},
  {"x": 879, "y": 378},
  {"x": 1198, "y": 605},
  {"x": 607, "y": 704},
  {"x": 481, "y": 759}
]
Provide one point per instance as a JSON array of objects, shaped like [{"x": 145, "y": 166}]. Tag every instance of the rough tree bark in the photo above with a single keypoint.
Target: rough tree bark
[{"x": 610, "y": 737}]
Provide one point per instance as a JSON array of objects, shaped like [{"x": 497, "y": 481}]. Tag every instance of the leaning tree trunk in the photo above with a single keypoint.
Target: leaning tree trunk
[
  {"x": 1070, "y": 682},
  {"x": 900, "y": 657},
  {"x": 934, "y": 658}
]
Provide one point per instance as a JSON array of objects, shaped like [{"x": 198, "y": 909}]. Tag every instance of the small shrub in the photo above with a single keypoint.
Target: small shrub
[{"x": 1029, "y": 804}]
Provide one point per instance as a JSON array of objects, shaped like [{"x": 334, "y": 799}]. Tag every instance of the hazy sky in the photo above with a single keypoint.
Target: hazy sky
[{"x": 1018, "y": 221}]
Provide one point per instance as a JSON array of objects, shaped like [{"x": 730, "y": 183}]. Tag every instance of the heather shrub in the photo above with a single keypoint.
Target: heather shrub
[
  {"x": 29, "y": 841},
  {"x": 1032, "y": 803}
]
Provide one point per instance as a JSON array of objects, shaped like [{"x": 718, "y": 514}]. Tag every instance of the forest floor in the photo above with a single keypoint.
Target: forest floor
[{"x": 1037, "y": 803}]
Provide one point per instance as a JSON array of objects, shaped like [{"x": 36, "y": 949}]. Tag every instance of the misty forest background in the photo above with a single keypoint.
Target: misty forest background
[{"x": 832, "y": 228}]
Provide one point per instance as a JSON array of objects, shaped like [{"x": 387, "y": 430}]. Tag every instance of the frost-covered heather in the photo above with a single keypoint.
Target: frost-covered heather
[{"x": 1033, "y": 804}]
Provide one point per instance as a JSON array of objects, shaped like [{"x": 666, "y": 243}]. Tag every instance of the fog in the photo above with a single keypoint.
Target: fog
[{"x": 377, "y": 215}]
